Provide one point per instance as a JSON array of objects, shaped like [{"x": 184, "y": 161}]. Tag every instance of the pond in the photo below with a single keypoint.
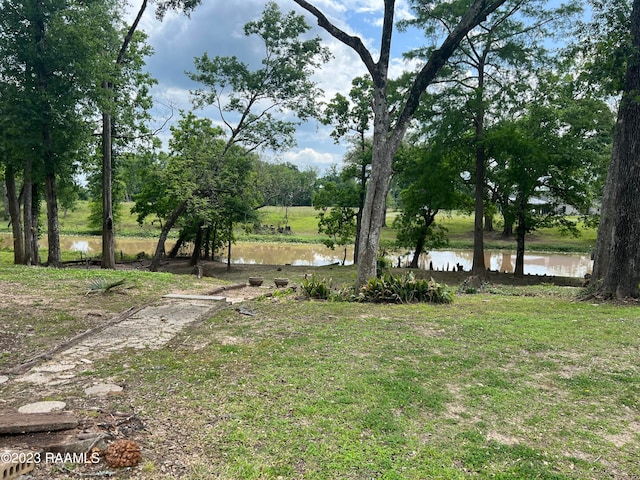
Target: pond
[{"x": 567, "y": 265}]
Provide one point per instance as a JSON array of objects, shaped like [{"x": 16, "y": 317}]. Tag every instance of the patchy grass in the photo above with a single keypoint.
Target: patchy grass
[
  {"x": 493, "y": 386},
  {"x": 41, "y": 307}
]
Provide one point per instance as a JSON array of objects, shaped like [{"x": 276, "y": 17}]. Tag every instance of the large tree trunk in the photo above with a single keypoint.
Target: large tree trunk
[
  {"x": 361, "y": 200},
  {"x": 197, "y": 246},
  {"x": 419, "y": 248},
  {"x": 229, "y": 241},
  {"x": 164, "y": 233},
  {"x": 35, "y": 224},
  {"x": 29, "y": 227},
  {"x": 373, "y": 212},
  {"x": 108, "y": 235},
  {"x": 478, "y": 267},
  {"x": 178, "y": 245},
  {"x": 14, "y": 213},
  {"x": 618, "y": 255},
  {"x": 488, "y": 222}
]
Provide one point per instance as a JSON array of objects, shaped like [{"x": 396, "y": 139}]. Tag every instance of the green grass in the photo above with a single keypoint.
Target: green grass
[{"x": 482, "y": 388}]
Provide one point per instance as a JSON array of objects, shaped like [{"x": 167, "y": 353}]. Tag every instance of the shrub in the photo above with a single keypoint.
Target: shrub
[
  {"x": 404, "y": 289},
  {"x": 314, "y": 288}
]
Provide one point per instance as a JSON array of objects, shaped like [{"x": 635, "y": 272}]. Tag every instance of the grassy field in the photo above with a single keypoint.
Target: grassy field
[
  {"x": 511, "y": 383},
  {"x": 304, "y": 229}
]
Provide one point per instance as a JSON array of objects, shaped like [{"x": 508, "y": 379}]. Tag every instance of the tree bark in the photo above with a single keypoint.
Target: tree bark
[
  {"x": 27, "y": 194},
  {"x": 361, "y": 199},
  {"x": 164, "y": 233},
  {"x": 108, "y": 235},
  {"x": 14, "y": 213},
  {"x": 618, "y": 255},
  {"x": 229, "y": 241},
  {"x": 488, "y": 222},
  {"x": 197, "y": 246},
  {"x": 419, "y": 247},
  {"x": 176, "y": 248},
  {"x": 54, "y": 258},
  {"x": 34, "y": 233}
]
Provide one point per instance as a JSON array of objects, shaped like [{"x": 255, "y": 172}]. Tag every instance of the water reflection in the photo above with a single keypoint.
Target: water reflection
[
  {"x": 568, "y": 265},
  {"x": 565, "y": 265}
]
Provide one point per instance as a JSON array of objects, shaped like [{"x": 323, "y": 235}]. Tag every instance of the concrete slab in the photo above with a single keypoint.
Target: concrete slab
[
  {"x": 103, "y": 389},
  {"x": 42, "y": 407}
]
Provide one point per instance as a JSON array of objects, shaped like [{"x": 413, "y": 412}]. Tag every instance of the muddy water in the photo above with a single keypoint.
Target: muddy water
[{"x": 569, "y": 265}]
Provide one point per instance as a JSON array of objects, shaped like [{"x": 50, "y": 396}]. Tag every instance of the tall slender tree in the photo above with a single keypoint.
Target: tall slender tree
[
  {"x": 352, "y": 117},
  {"x": 108, "y": 84}
]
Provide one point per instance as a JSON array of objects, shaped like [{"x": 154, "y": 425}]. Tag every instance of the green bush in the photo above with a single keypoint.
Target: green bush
[{"x": 404, "y": 289}]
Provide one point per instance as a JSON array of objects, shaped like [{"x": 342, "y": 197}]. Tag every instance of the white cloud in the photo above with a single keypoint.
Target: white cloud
[{"x": 311, "y": 157}]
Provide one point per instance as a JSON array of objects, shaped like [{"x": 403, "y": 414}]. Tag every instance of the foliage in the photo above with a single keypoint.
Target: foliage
[
  {"x": 404, "y": 289},
  {"x": 336, "y": 197},
  {"x": 103, "y": 285},
  {"x": 604, "y": 44},
  {"x": 315, "y": 288},
  {"x": 428, "y": 180},
  {"x": 282, "y": 85},
  {"x": 283, "y": 184}
]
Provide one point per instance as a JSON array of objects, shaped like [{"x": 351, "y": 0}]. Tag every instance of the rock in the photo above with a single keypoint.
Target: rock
[
  {"x": 3, "y": 379},
  {"x": 42, "y": 407},
  {"x": 103, "y": 389}
]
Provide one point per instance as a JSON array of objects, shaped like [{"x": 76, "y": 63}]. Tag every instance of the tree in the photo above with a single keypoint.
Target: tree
[
  {"x": 387, "y": 137},
  {"x": 336, "y": 198},
  {"x": 488, "y": 71},
  {"x": 283, "y": 184},
  {"x": 551, "y": 151},
  {"x": 617, "y": 259},
  {"x": 51, "y": 52}
]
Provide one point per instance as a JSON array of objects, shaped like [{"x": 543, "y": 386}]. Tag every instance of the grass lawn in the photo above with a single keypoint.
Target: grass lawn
[
  {"x": 483, "y": 388},
  {"x": 517, "y": 382}
]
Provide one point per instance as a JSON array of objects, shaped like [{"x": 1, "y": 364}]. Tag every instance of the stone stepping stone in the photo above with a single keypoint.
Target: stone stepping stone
[
  {"x": 19, "y": 423},
  {"x": 42, "y": 407},
  {"x": 103, "y": 389}
]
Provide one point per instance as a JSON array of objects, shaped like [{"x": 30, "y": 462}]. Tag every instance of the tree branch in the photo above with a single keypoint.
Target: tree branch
[{"x": 351, "y": 41}]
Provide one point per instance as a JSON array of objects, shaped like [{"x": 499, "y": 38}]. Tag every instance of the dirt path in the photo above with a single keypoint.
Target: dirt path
[{"x": 151, "y": 327}]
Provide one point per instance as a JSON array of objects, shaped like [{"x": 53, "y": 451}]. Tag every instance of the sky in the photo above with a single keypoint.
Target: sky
[{"x": 216, "y": 27}]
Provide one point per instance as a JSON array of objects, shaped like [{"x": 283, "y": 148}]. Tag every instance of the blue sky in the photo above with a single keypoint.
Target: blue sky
[{"x": 216, "y": 27}]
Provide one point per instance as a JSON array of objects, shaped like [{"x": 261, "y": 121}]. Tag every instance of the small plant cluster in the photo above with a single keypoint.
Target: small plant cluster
[
  {"x": 404, "y": 289},
  {"x": 386, "y": 289},
  {"x": 314, "y": 288}
]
